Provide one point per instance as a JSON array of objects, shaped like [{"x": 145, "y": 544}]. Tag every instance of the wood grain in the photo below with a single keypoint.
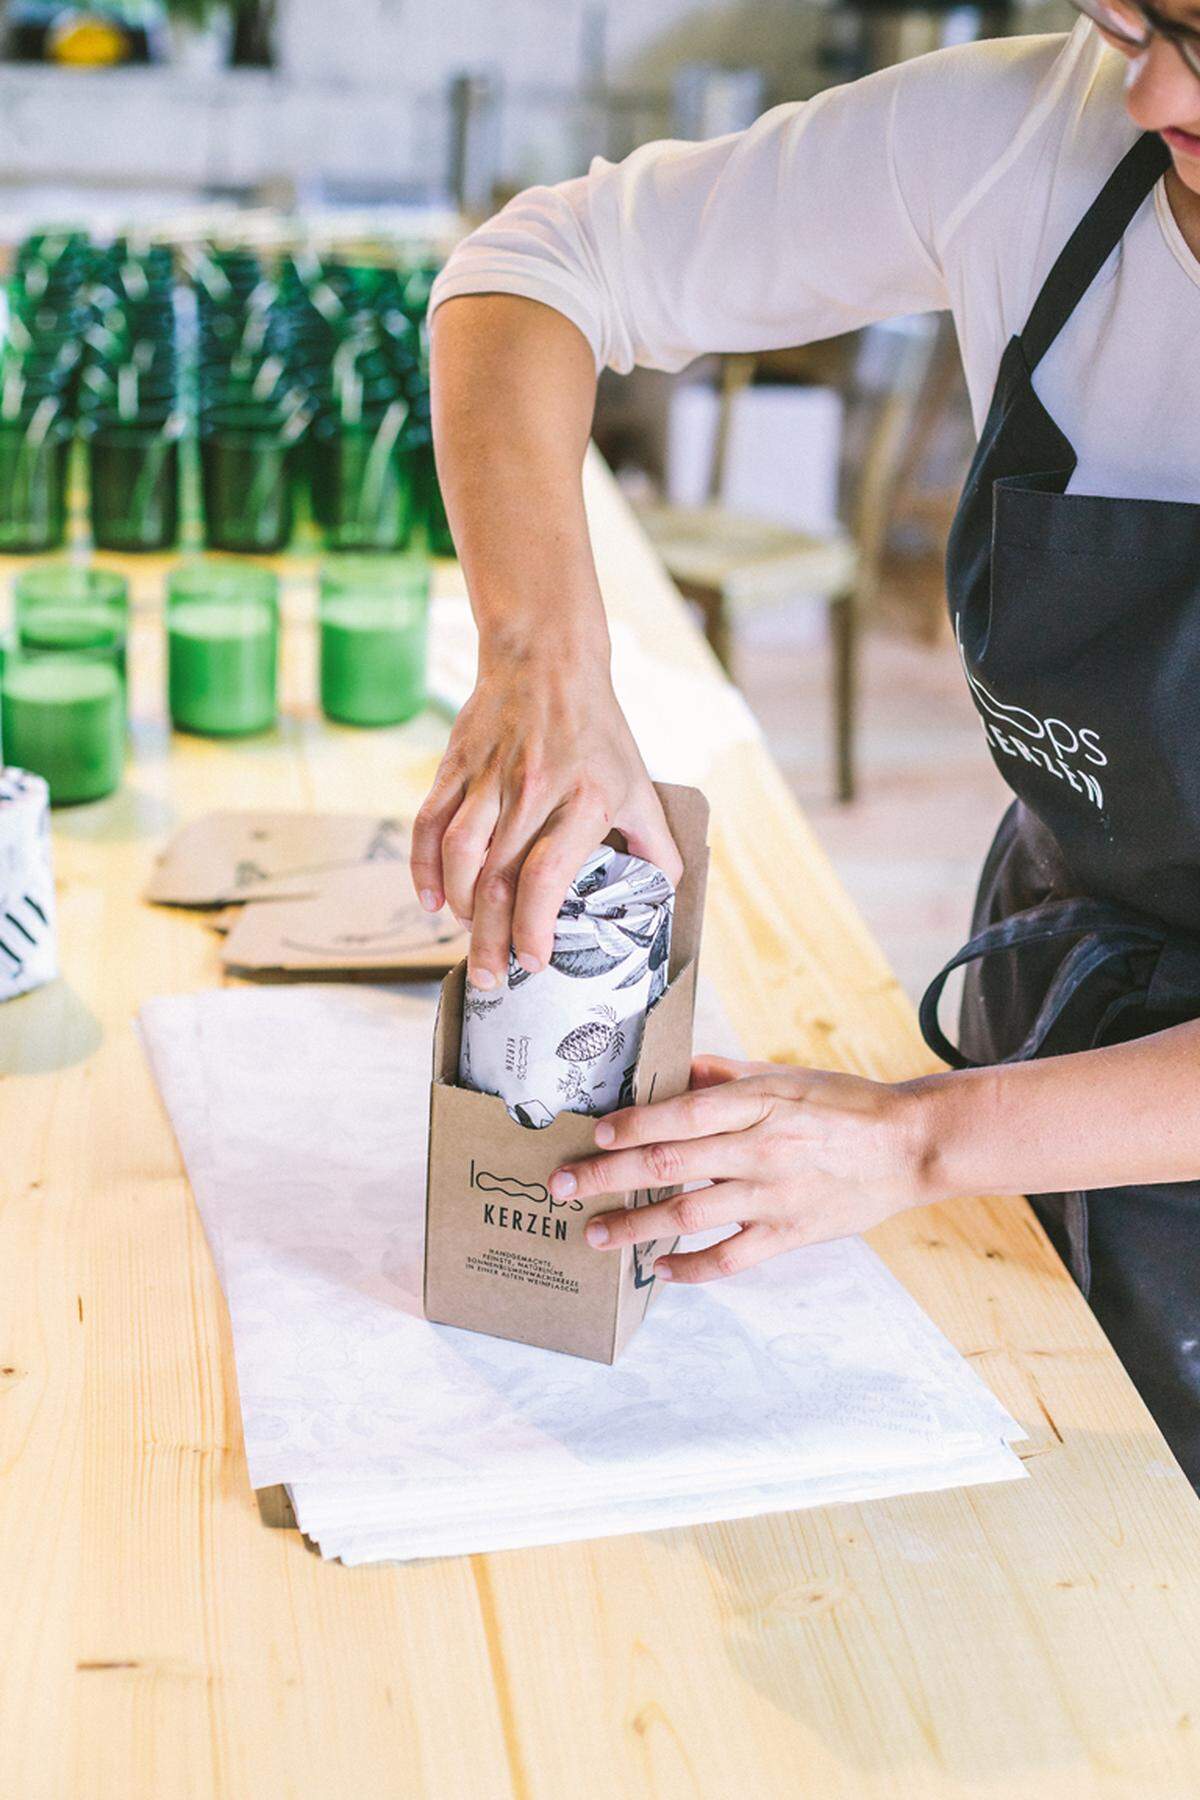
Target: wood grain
[{"x": 164, "y": 1639}]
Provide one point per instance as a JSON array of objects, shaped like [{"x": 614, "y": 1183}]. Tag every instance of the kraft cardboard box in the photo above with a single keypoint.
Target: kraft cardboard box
[{"x": 501, "y": 1255}]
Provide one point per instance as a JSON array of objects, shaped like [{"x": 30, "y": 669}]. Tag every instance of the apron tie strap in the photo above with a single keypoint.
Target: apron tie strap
[{"x": 1102, "y": 934}]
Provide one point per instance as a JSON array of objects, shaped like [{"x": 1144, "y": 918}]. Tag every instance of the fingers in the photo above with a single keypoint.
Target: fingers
[
  {"x": 464, "y": 847},
  {"x": 564, "y": 844},
  {"x": 495, "y": 893},
  {"x": 728, "y": 1105},
  {"x": 711, "y": 1071},
  {"x": 656, "y": 1165},
  {"x": 425, "y": 857},
  {"x": 753, "y": 1244},
  {"x": 725, "y": 1203},
  {"x": 646, "y": 832}
]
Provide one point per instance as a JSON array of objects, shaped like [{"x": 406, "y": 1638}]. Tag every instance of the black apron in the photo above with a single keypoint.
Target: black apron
[{"x": 1077, "y": 620}]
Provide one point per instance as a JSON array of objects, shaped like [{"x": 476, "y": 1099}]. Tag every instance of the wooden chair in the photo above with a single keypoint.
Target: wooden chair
[{"x": 726, "y": 562}]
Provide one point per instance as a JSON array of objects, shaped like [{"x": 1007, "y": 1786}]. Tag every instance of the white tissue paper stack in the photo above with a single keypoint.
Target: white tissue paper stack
[
  {"x": 301, "y": 1116},
  {"x": 28, "y": 948}
]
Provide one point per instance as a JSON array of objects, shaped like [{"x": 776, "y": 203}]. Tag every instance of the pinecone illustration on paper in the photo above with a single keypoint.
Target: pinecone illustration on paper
[
  {"x": 590, "y": 1040},
  {"x": 586, "y": 1044}
]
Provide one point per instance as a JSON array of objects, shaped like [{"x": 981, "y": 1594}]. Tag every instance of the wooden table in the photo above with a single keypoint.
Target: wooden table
[{"x": 163, "y": 1637}]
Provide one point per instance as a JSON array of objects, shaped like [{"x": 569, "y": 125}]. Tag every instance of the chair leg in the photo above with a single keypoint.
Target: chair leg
[
  {"x": 715, "y": 614},
  {"x": 843, "y": 625}
]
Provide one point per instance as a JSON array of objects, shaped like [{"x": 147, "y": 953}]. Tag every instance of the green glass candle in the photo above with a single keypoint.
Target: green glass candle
[
  {"x": 62, "y": 714},
  {"x": 61, "y": 607},
  {"x": 222, "y": 649},
  {"x": 373, "y": 620}
]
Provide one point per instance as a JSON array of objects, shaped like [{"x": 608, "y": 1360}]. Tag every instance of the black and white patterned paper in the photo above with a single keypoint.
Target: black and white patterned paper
[
  {"x": 28, "y": 950},
  {"x": 567, "y": 1038}
]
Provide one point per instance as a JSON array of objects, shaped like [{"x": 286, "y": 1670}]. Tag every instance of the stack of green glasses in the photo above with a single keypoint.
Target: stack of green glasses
[
  {"x": 129, "y": 398},
  {"x": 252, "y": 415},
  {"x": 363, "y": 469},
  {"x": 39, "y": 371}
]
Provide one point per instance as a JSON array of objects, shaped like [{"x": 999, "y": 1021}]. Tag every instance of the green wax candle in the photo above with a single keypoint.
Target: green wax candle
[
  {"x": 68, "y": 628},
  {"x": 221, "y": 662},
  {"x": 63, "y": 716},
  {"x": 372, "y": 658},
  {"x": 62, "y": 607}
]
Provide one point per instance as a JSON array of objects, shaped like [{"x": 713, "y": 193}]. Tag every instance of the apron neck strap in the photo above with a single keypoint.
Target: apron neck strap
[{"x": 1092, "y": 242}]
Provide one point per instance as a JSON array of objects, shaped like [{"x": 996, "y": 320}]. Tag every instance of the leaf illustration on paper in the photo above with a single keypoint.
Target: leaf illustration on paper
[
  {"x": 477, "y": 1006},
  {"x": 635, "y": 975},
  {"x": 585, "y": 962},
  {"x": 588, "y": 880},
  {"x": 661, "y": 947},
  {"x": 516, "y": 974}
]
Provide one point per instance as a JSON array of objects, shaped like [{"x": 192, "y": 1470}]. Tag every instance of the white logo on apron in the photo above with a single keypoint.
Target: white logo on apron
[{"x": 1008, "y": 728}]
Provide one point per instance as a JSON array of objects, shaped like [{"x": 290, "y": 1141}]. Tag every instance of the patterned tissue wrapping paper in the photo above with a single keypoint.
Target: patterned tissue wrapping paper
[
  {"x": 28, "y": 945},
  {"x": 567, "y": 1039}
]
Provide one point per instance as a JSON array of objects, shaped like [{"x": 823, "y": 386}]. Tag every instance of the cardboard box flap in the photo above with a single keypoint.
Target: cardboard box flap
[
  {"x": 687, "y": 812},
  {"x": 664, "y": 1062},
  {"x": 447, "y": 1026}
]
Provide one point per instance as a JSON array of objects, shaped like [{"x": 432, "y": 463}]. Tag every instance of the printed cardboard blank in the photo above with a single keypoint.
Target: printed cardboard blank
[
  {"x": 364, "y": 918},
  {"x": 237, "y": 856},
  {"x": 502, "y": 1256}
]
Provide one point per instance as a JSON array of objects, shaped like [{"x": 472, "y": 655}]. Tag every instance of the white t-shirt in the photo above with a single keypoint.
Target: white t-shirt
[{"x": 951, "y": 181}]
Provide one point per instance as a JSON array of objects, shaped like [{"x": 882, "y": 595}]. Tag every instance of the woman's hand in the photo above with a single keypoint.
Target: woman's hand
[
  {"x": 795, "y": 1156},
  {"x": 541, "y": 765}
]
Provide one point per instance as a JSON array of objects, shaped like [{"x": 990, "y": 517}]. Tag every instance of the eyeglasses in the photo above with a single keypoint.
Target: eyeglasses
[{"x": 1135, "y": 26}]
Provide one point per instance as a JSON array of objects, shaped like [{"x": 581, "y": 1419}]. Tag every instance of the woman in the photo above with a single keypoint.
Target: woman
[{"x": 1047, "y": 191}]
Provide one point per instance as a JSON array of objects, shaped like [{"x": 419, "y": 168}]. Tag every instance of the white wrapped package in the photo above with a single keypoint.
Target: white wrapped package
[
  {"x": 567, "y": 1038},
  {"x": 28, "y": 950}
]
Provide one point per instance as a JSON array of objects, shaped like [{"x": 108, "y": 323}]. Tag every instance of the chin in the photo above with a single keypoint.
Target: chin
[{"x": 1188, "y": 170}]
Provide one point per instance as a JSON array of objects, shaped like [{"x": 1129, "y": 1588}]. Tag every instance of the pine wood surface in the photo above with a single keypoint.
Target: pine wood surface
[{"x": 167, "y": 1636}]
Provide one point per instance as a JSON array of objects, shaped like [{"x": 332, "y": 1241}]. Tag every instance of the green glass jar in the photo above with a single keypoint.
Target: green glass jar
[
  {"x": 373, "y": 615},
  {"x": 62, "y": 714},
  {"x": 367, "y": 477},
  {"x": 60, "y": 606},
  {"x": 33, "y": 483},
  {"x": 222, "y": 648},
  {"x": 133, "y": 480},
  {"x": 247, "y": 466}
]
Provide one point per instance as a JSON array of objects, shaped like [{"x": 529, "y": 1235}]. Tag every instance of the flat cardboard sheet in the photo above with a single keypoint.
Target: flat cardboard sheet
[
  {"x": 364, "y": 917},
  {"x": 237, "y": 856}
]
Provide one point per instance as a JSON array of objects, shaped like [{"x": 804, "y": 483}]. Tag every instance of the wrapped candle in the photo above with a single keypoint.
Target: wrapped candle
[
  {"x": 567, "y": 1039},
  {"x": 28, "y": 952}
]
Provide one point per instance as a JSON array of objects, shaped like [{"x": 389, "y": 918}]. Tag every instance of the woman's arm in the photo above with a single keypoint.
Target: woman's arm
[
  {"x": 818, "y": 219},
  {"x": 541, "y": 764},
  {"x": 797, "y": 1156}
]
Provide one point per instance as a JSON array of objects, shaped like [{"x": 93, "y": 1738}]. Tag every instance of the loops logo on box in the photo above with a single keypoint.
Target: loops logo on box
[
  {"x": 1049, "y": 744},
  {"x": 526, "y": 1218}
]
